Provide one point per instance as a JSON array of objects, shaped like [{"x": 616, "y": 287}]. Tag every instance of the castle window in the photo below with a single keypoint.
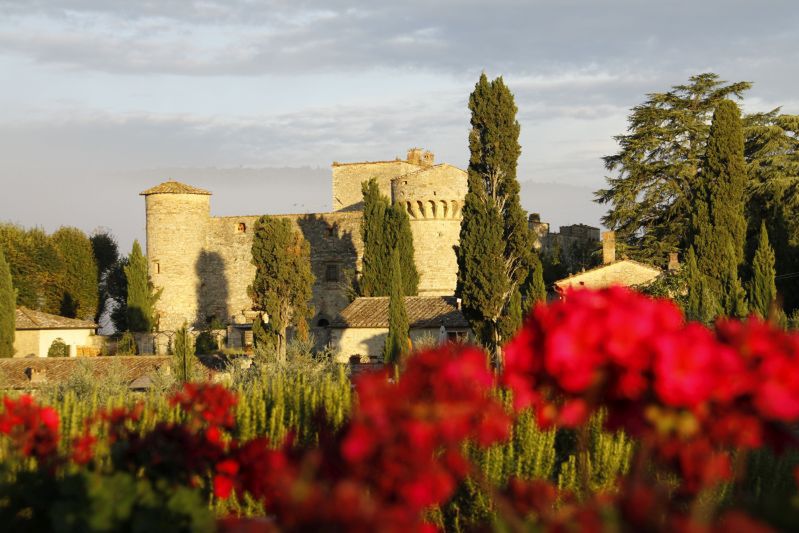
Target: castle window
[
  {"x": 156, "y": 267},
  {"x": 323, "y": 323},
  {"x": 241, "y": 227},
  {"x": 331, "y": 272}
]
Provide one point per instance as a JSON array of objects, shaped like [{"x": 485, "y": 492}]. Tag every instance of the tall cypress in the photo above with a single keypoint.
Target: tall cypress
[
  {"x": 701, "y": 305},
  {"x": 8, "y": 308},
  {"x": 397, "y": 340},
  {"x": 718, "y": 228},
  {"x": 142, "y": 296},
  {"x": 385, "y": 228},
  {"x": 763, "y": 290},
  {"x": 491, "y": 267},
  {"x": 536, "y": 290}
]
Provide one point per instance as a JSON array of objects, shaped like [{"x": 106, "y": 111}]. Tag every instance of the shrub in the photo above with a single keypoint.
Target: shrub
[
  {"x": 126, "y": 344},
  {"x": 58, "y": 349},
  {"x": 206, "y": 343}
]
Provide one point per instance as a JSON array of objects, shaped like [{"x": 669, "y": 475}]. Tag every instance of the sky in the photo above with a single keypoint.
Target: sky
[{"x": 101, "y": 99}]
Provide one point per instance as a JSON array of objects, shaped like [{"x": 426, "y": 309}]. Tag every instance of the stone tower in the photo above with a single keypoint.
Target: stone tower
[
  {"x": 433, "y": 198},
  {"x": 178, "y": 218}
]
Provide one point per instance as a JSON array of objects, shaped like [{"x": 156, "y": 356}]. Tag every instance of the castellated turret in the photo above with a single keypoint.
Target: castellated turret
[
  {"x": 178, "y": 218},
  {"x": 433, "y": 198}
]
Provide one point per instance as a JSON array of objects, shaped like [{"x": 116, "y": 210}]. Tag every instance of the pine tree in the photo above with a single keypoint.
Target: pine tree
[
  {"x": 283, "y": 278},
  {"x": 397, "y": 340},
  {"x": 718, "y": 227},
  {"x": 494, "y": 255},
  {"x": 183, "y": 360},
  {"x": 142, "y": 297},
  {"x": 384, "y": 229},
  {"x": 763, "y": 290},
  {"x": 80, "y": 289},
  {"x": 8, "y": 308}
]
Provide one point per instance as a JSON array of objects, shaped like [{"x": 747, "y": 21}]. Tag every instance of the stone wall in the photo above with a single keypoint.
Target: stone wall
[
  {"x": 626, "y": 273},
  {"x": 226, "y": 269},
  {"x": 370, "y": 341},
  {"x": 348, "y": 177},
  {"x": 36, "y": 343},
  {"x": 434, "y": 199}
]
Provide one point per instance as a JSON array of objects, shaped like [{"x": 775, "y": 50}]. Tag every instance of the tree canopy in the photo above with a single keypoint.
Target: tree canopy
[
  {"x": 142, "y": 296},
  {"x": 282, "y": 287},
  {"x": 80, "y": 278},
  {"x": 495, "y": 250},
  {"x": 385, "y": 229},
  {"x": 8, "y": 306}
]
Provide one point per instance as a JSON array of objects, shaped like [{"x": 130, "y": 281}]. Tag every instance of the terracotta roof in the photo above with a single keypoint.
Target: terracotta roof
[
  {"x": 135, "y": 370},
  {"x": 30, "y": 319},
  {"x": 423, "y": 312},
  {"x": 15, "y": 373},
  {"x": 592, "y": 273},
  {"x": 174, "y": 187}
]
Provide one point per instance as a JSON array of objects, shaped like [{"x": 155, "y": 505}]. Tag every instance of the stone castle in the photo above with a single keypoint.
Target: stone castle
[{"x": 203, "y": 263}]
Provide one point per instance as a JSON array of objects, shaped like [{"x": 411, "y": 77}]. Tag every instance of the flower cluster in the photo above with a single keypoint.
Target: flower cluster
[
  {"x": 33, "y": 429},
  {"x": 689, "y": 392}
]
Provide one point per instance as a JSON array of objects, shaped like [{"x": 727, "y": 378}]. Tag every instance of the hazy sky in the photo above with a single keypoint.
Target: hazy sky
[{"x": 100, "y": 99}]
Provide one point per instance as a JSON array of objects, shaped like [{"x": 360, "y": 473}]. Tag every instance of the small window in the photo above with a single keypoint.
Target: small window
[
  {"x": 323, "y": 323},
  {"x": 241, "y": 227},
  {"x": 331, "y": 272},
  {"x": 156, "y": 267}
]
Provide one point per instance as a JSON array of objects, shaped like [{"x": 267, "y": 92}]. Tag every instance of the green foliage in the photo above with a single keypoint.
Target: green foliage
[
  {"x": 534, "y": 290},
  {"x": 490, "y": 273},
  {"x": 80, "y": 297},
  {"x": 142, "y": 296},
  {"x": 183, "y": 360},
  {"x": 116, "y": 287},
  {"x": 283, "y": 277},
  {"x": 106, "y": 255},
  {"x": 397, "y": 340},
  {"x": 718, "y": 227},
  {"x": 511, "y": 320},
  {"x": 8, "y": 307},
  {"x": 762, "y": 290},
  {"x": 701, "y": 304},
  {"x": 58, "y": 348},
  {"x": 126, "y": 344},
  {"x": 36, "y": 267},
  {"x": 206, "y": 343},
  {"x": 385, "y": 228},
  {"x": 658, "y": 165}
]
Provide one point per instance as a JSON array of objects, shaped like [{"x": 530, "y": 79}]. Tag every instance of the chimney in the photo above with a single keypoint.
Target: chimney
[
  {"x": 674, "y": 262},
  {"x": 608, "y": 247}
]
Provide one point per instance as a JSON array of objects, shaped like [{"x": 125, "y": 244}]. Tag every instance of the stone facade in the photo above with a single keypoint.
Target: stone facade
[{"x": 203, "y": 263}]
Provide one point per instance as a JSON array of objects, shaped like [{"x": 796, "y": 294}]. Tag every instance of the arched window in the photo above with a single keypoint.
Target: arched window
[{"x": 323, "y": 323}]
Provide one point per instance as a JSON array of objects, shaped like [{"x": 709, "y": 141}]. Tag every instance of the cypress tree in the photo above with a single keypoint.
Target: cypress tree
[
  {"x": 183, "y": 360},
  {"x": 397, "y": 340},
  {"x": 141, "y": 299},
  {"x": 8, "y": 308},
  {"x": 376, "y": 262},
  {"x": 763, "y": 290},
  {"x": 399, "y": 233},
  {"x": 80, "y": 289},
  {"x": 536, "y": 290},
  {"x": 511, "y": 320},
  {"x": 283, "y": 281},
  {"x": 385, "y": 228},
  {"x": 718, "y": 226},
  {"x": 493, "y": 266},
  {"x": 106, "y": 255}
]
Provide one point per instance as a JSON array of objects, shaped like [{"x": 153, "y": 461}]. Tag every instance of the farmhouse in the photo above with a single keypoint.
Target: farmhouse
[
  {"x": 360, "y": 329},
  {"x": 36, "y": 332}
]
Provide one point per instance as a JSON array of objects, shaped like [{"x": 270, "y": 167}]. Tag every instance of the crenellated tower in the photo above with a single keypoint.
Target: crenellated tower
[
  {"x": 433, "y": 198},
  {"x": 178, "y": 219}
]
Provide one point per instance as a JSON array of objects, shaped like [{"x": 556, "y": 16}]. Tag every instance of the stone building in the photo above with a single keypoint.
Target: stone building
[
  {"x": 361, "y": 328},
  {"x": 203, "y": 262},
  {"x": 36, "y": 331},
  {"x": 624, "y": 272}
]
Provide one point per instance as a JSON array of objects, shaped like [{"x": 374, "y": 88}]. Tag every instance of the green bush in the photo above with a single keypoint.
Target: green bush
[
  {"x": 206, "y": 343},
  {"x": 58, "y": 349},
  {"x": 126, "y": 344}
]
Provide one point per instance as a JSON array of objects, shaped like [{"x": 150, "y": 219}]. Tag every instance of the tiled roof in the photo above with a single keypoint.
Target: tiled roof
[
  {"x": 135, "y": 370},
  {"x": 423, "y": 312},
  {"x": 15, "y": 373},
  {"x": 30, "y": 319},
  {"x": 174, "y": 187},
  {"x": 609, "y": 274}
]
